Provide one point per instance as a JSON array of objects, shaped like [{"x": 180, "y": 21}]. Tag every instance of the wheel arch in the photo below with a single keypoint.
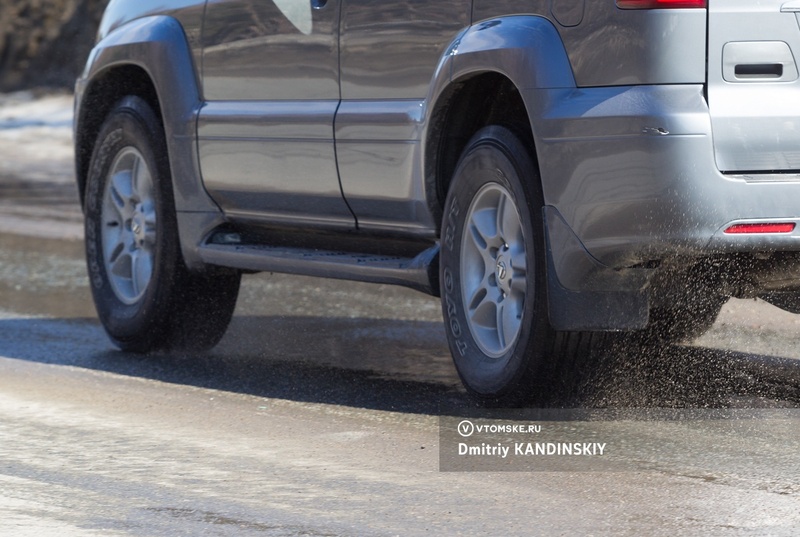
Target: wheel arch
[
  {"x": 151, "y": 57},
  {"x": 496, "y": 68},
  {"x": 104, "y": 92},
  {"x": 476, "y": 101},
  {"x": 484, "y": 80}
]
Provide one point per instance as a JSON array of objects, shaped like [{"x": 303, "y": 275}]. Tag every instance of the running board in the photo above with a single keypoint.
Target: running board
[{"x": 420, "y": 272}]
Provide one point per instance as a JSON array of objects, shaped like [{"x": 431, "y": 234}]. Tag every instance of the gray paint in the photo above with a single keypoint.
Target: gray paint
[
  {"x": 756, "y": 118},
  {"x": 273, "y": 160},
  {"x": 390, "y": 48},
  {"x": 253, "y": 51},
  {"x": 620, "y": 47},
  {"x": 390, "y": 51},
  {"x": 527, "y": 50},
  {"x": 567, "y": 12},
  {"x": 271, "y": 78},
  {"x": 188, "y": 12},
  {"x": 378, "y": 149}
]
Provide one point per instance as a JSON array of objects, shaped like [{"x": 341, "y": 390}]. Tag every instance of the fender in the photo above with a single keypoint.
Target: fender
[
  {"x": 158, "y": 45},
  {"x": 526, "y": 49}
]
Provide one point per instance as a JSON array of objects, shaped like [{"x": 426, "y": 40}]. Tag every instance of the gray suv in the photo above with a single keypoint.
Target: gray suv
[{"x": 553, "y": 169}]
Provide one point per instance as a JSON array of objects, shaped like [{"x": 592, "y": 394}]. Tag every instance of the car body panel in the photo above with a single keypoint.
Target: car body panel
[
  {"x": 189, "y": 13},
  {"x": 632, "y": 172},
  {"x": 256, "y": 50},
  {"x": 157, "y": 44},
  {"x": 378, "y": 145},
  {"x": 613, "y": 47},
  {"x": 273, "y": 161},
  {"x": 271, "y": 84},
  {"x": 753, "y": 83},
  {"x": 526, "y": 49},
  {"x": 390, "y": 51},
  {"x": 390, "y": 48}
]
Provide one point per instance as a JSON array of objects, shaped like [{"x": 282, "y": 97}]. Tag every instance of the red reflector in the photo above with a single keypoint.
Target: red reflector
[
  {"x": 660, "y": 4},
  {"x": 762, "y": 228}
]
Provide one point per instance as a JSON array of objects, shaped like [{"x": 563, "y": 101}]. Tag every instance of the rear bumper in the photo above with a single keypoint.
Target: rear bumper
[
  {"x": 636, "y": 209},
  {"x": 631, "y": 171}
]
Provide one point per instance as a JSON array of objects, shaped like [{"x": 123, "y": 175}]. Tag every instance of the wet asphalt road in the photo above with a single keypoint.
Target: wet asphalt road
[{"x": 319, "y": 414}]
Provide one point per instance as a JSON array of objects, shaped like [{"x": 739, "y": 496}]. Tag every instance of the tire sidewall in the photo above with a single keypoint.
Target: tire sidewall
[
  {"x": 494, "y": 155},
  {"x": 131, "y": 124}
]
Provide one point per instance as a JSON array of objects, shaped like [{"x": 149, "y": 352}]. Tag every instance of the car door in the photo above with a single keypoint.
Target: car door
[
  {"x": 753, "y": 85},
  {"x": 270, "y": 79},
  {"x": 389, "y": 52}
]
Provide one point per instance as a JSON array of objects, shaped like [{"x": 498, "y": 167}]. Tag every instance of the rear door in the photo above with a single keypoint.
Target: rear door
[
  {"x": 389, "y": 53},
  {"x": 753, "y": 84}
]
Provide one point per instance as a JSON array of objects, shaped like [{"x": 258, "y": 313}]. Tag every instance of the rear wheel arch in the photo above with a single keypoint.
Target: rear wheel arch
[
  {"x": 489, "y": 74},
  {"x": 464, "y": 108}
]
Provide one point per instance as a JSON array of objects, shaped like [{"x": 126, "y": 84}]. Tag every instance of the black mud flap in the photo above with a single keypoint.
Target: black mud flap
[{"x": 585, "y": 295}]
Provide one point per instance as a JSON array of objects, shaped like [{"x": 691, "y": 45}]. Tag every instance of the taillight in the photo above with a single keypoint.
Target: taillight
[
  {"x": 660, "y": 4},
  {"x": 781, "y": 227}
]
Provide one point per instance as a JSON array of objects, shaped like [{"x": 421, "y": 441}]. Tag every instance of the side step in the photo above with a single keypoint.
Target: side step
[{"x": 420, "y": 272}]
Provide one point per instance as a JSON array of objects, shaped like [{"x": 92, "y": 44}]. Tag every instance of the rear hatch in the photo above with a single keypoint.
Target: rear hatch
[{"x": 753, "y": 85}]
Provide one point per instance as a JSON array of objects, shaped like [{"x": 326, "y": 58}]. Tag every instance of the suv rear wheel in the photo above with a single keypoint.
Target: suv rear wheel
[
  {"x": 492, "y": 270},
  {"x": 145, "y": 296}
]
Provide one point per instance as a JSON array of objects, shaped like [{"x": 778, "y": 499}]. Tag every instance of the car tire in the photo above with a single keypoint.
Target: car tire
[
  {"x": 492, "y": 270},
  {"x": 146, "y": 298}
]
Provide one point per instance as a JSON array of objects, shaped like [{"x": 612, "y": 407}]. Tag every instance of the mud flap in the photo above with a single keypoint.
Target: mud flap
[{"x": 582, "y": 293}]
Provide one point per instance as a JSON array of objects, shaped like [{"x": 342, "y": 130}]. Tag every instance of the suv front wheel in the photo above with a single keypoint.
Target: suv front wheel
[{"x": 145, "y": 296}]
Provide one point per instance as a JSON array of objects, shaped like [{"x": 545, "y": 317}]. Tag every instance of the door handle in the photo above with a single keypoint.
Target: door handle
[
  {"x": 754, "y": 61},
  {"x": 759, "y": 70}
]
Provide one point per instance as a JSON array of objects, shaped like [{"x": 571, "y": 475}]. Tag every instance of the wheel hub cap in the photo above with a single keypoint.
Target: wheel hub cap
[
  {"x": 129, "y": 225},
  {"x": 138, "y": 228},
  {"x": 494, "y": 270},
  {"x": 503, "y": 274}
]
